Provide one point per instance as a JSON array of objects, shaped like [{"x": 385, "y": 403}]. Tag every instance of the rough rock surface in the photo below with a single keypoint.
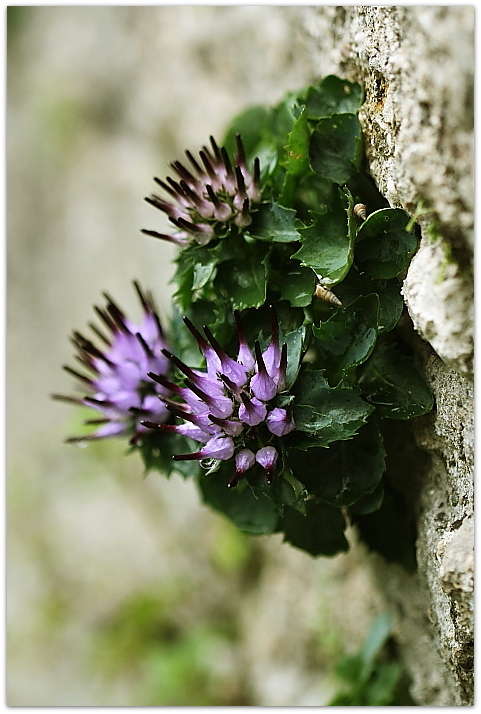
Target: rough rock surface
[{"x": 418, "y": 128}]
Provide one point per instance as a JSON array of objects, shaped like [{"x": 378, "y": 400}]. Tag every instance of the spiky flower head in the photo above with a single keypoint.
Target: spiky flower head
[
  {"x": 116, "y": 379},
  {"x": 230, "y": 407},
  {"x": 209, "y": 195}
]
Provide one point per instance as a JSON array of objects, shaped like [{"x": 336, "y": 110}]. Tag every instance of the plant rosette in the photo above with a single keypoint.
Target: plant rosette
[{"x": 291, "y": 260}]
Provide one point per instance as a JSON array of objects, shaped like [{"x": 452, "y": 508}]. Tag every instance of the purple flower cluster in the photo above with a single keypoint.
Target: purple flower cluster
[
  {"x": 117, "y": 381},
  {"x": 208, "y": 194},
  {"x": 228, "y": 407}
]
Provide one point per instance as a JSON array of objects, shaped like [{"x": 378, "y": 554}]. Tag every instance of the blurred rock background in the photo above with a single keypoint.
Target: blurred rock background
[{"x": 124, "y": 591}]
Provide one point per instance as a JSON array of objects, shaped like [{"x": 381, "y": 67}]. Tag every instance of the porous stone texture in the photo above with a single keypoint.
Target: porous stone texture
[{"x": 418, "y": 128}]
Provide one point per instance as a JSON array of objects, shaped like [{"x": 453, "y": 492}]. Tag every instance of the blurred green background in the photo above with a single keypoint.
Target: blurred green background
[{"x": 125, "y": 591}]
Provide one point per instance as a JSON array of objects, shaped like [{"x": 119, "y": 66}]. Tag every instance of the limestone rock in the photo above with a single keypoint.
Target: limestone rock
[{"x": 418, "y": 127}]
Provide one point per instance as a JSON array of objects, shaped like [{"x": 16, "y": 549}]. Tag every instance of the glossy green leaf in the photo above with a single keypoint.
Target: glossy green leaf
[
  {"x": 284, "y": 490},
  {"x": 391, "y": 305},
  {"x": 370, "y": 502},
  {"x": 252, "y": 514},
  {"x": 298, "y": 286},
  {"x": 319, "y": 532},
  {"x": 157, "y": 449},
  {"x": 335, "y": 149},
  {"x": 391, "y": 302},
  {"x": 348, "y": 337},
  {"x": 274, "y": 223},
  {"x": 243, "y": 282},
  {"x": 295, "y": 159},
  {"x": 250, "y": 125},
  {"x": 295, "y": 341},
  {"x": 333, "y": 96},
  {"x": 345, "y": 471},
  {"x": 327, "y": 245},
  {"x": 389, "y": 382},
  {"x": 205, "y": 268},
  {"x": 325, "y": 413},
  {"x": 384, "y": 248},
  {"x": 281, "y": 119},
  {"x": 184, "y": 278}
]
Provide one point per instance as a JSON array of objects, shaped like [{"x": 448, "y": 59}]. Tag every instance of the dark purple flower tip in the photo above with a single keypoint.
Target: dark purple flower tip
[
  {"x": 233, "y": 388},
  {"x": 189, "y": 430},
  {"x": 280, "y": 377},
  {"x": 244, "y": 460},
  {"x": 191, "y": 399},
  {"x": 262, "y": 385},
  {"x": 230, "y": 427},
  {"x": 267, "y": 458},
  {"x": 208, "y": 384},
  {"x": 245, "y": 355},
  {"x": 202, "y": 421},
  {"x": 272, "y": 354},
  {"x": 231, "y": 369},
  {"x": 218, "y": 447},
  {"x": 212, "y": 360},
  {"x": 177, "y": 239},
  {"x": 219, "y": 405},
  {"x": 216, "y": 192},
  {"x": 223, "y": 415},
  {"x": 279, "y": 422},
  {"x": 252, "y": 411},
  {"x": 118, "y": 385}
]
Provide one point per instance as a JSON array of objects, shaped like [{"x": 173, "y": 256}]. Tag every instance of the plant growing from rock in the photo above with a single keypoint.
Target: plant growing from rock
[{"x": 280, "y": 363}]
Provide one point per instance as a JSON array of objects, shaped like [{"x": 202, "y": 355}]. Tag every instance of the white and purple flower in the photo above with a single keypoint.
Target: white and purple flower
[
  {"x": 208, "y": 195},
  {"x": 117, "y": 379},
  {"x": 230, "y": 408}
]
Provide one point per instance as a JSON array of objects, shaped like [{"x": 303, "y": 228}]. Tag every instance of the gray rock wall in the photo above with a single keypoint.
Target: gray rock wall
[{"x": 417, "y": 65}]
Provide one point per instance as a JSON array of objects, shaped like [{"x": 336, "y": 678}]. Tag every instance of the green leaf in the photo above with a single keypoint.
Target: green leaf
[
  {"x": 250, "y": 125},
  {"x": 348, "y": 337},
  {"x": 285, "y": 489},
  {"x": 243, "y": 282},
  {"x": 343, "y": 700},
  {"x": 293, "y": 492},
  {"x": 327, "y": 245},
  {"x": 345, "y": 471},
  {"x": 274, "y": 223},
  {"x": 384, "y": 248},
  {"x": 251, "y": 514},
  {"x": 157, "y": 449},
  {"x": 295, "y": 160},
  {"x": 381, "y": 690},
  {"x": 389, "y": 382},
  {"x": 319, "y": 532},
  {"x": 325, "y": 413},
  {"x": 349, "y": 669},
  {"x": 281, "y": 119},
  {"x": 295, "y": 341},
  {"x": 333, "y": 96},
  {"x": 184, "y": 278},
  {"x": 369, "y": 502},
  {"x": 298, "y": 286},
  {"x": 391, "y": 305},
  {"x": 205, "y": 268},
  {"x": 335, "y": 149},
  {"x": 390, "y": 299},
  {"x": 378, "y": 635}
]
